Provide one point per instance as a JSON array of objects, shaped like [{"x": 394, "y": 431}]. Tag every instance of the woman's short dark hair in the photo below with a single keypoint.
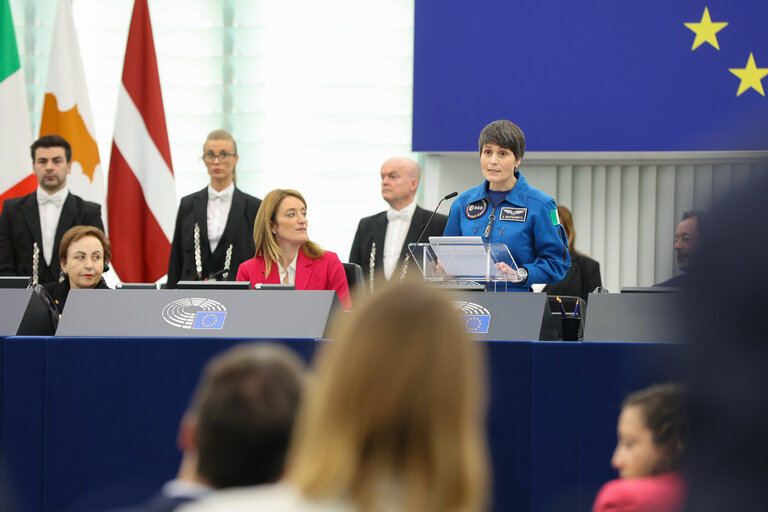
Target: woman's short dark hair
[
  {"x": 76, "y": 233},
  {"x": 664, "y": 410},
  {"x": 505, "y": 134}
]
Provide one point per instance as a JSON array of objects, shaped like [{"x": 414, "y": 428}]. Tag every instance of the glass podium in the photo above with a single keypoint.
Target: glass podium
[{"x": 466, "y": 263}]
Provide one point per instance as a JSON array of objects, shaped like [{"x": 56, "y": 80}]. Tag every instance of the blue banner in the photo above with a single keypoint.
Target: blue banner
[{"x": 588, "y": 75}]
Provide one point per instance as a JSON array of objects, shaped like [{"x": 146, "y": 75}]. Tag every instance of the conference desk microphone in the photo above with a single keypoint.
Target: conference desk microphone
[
  {"x": 216, "y": 275},
  {"x": 408, "y": 255}
]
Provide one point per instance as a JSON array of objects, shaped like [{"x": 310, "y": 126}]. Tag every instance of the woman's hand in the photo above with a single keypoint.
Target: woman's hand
[{"x": 507, "y": 273}]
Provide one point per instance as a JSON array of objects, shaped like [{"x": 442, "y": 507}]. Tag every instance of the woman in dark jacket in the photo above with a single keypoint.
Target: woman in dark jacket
[
  {"x": 584, "y": 275},
  {"x": 214, "y": 226},
  {"x": 84, "y": 255}
]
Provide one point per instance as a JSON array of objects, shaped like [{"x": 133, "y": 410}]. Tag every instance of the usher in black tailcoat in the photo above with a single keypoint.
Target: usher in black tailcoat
[{"x": 238, "y": 232}]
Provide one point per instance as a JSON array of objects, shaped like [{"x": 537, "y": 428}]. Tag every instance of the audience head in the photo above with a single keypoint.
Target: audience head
[
  {"x": 567, "y": 220},
  {"x": 687, "y": 238},
  {"x": 51, "y": 161},
  {"x": 505, "y": 134},
  {"x": 84, "y": 255},
  {"x": 220, "y": 157},
  {"x": 652, "y": 432},
  {"x": 399, "y": 181},
  {"x": 239, "y": 423},
  {"x": 280, "y": 224},
  {"x": 398, "y": 399}
]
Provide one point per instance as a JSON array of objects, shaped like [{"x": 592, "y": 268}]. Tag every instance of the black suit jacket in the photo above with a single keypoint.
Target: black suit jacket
[
  {"x": 582, "y": 278},
  {"x": 238, "y": 232},
  {"x": 59, "y": 291},
  {"x": 373, "y": 230},
  {"x": 20, "y": 229}
]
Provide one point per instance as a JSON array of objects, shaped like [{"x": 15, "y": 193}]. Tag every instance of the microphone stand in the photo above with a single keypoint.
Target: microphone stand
[{"x": 408, "y": 254}]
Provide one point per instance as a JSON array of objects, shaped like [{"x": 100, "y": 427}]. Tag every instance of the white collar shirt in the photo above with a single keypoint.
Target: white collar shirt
[
  {"x": 398, "y": 222},
  {"x": 288, "y": 275},
  {"x": 219, "y": 204},
  {"x": 184, "y": 489},
  {"x": 49, "y": 207}
]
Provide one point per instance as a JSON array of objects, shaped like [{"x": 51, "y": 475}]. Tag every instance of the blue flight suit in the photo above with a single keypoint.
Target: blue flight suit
[{"x": 525, "y": 220}]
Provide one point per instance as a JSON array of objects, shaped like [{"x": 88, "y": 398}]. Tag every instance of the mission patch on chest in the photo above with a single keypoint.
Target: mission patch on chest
[{"x": 476, "y": 209}]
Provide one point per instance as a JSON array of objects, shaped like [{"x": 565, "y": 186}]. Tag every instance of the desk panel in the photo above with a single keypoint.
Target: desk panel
[
  {"x": 101, "y": 424},
  {"x": 23, "y": 424},
  {"x": 89, "y": 423}
]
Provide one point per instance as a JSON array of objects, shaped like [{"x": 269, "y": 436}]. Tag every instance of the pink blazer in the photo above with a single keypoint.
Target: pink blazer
[
  {"x": 324, "y": 273},
  {"x": 660, "y": 493}
]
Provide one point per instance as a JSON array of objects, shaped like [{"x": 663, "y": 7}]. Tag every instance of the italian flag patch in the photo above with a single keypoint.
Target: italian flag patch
[{"x": 555, "y": 218}]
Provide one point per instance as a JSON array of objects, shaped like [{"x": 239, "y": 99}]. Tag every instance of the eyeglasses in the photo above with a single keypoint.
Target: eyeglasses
[{"x": 223, "y": 157}]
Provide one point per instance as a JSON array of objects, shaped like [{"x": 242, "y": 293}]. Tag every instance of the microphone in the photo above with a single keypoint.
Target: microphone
[
  {"x": 449, "y": 196},
  {"x": 215, "y": 276},
  {"x": 408, "y": 255}
]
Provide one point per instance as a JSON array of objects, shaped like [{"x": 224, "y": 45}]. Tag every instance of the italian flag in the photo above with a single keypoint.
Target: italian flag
[{"x": 16, "y": 176}]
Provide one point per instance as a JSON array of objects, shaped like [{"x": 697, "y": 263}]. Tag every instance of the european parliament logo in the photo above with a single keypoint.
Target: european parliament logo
[
  {"x": 195, "y": 313},
  {"x": 476, "y": 318}
]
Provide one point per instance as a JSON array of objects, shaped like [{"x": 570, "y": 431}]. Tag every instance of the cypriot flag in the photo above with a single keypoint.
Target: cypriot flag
[
  {"x": 16, "y": 177},
  {"x": 67, "y": 110}
]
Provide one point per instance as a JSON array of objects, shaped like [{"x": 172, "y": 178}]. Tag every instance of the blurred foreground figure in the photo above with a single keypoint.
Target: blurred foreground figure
[
  {"x": 393, "y": 419},
  {"x": 238, "y": 427},
  {"x": 729, "y": 357},
  {"x": 652, "y": 437}
]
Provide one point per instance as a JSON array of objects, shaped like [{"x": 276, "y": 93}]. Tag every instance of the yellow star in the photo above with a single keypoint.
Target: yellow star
[
  {"x": 751, "y": 76},
  {"x": 705, "y": 30}
]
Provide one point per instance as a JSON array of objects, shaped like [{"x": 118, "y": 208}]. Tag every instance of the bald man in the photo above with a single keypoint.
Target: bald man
[{"x": 383, "y": 238}]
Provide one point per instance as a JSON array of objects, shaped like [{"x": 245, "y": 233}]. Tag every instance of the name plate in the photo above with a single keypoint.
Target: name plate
[{"x": 198, "y": 313}]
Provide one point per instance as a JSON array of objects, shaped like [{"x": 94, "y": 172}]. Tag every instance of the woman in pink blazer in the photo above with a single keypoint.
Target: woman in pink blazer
[
  {"x": 652, "y": 437},
  {"x": 284, "y": 253}
]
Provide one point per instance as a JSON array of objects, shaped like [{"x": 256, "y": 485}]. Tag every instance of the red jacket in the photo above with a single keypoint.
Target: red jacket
[
  {"x": 660, "y": 493},
  {"x": 324, "y": 273}
]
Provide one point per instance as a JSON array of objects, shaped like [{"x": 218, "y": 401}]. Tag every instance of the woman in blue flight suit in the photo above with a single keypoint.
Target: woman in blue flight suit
[{"x": 505, "y": 209}]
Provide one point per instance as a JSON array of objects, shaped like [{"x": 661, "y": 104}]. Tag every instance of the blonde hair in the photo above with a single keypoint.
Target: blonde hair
[
  {"x": 263, "y": 237},
  {"x": 224, "y": 135},
  {"x": 398, "y": 398}
]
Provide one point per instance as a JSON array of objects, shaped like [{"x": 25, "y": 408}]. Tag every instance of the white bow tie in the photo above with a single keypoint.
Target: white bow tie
[
  {"x": 219, "y": 196},
  {"x": 47, "y": 198},
  {"x": 393, "y": 215}
]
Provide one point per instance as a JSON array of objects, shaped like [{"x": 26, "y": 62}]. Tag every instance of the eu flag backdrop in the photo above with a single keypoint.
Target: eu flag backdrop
[{"x": 591, "y": 75}]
